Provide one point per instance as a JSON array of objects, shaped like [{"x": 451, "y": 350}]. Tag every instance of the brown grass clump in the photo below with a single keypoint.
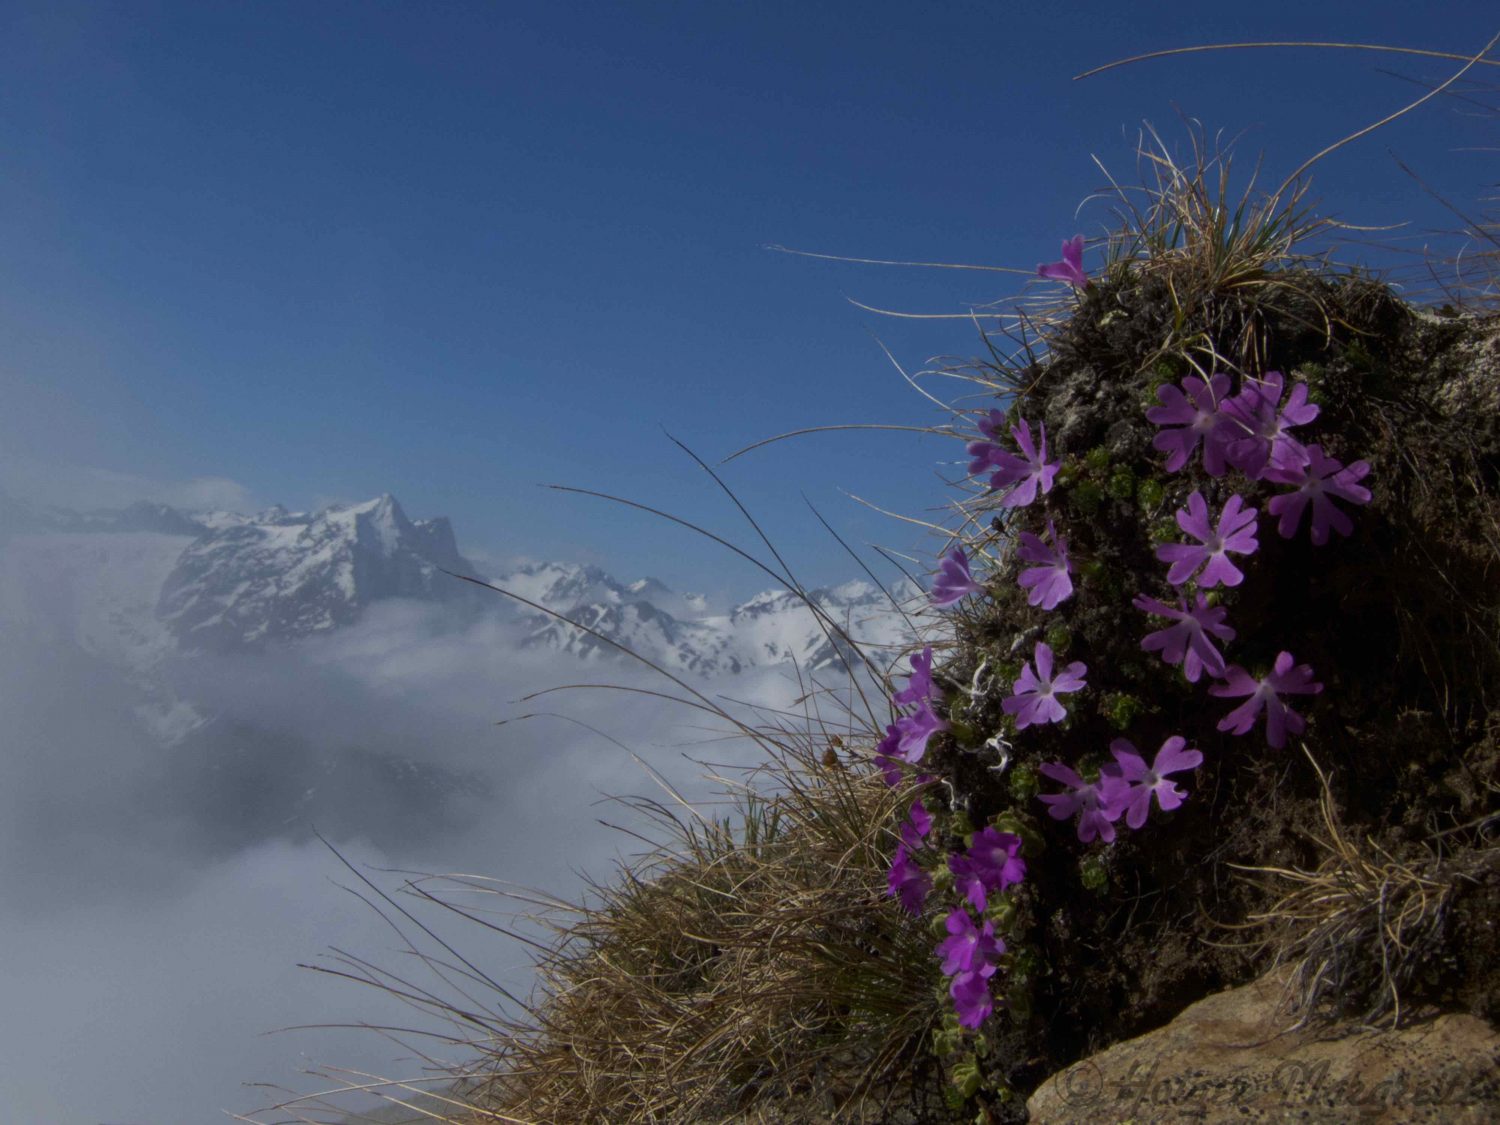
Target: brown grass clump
[
  {"x": 752, "y": 960},
  {"x": 1225, "y": 261},
  {"x": 750, "y": 968},
  {"x": 1363, "y": 925}
]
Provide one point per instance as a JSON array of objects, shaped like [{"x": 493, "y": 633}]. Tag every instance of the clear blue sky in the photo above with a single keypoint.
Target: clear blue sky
[{"x": 454, "y": 250}]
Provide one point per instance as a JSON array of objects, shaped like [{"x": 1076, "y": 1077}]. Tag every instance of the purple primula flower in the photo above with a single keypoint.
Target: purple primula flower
[
  {"x": 1144, "y": 780},
  {"x": 986, "y": 456},
  {"x": 1257, "y": 422},
  {"x": 1070, "y": 269},
  {"x": 1026, "y": 474},
  {"x": 992, "y": 424},
  {"x": 970, "y": 947},
  {"x": 907, "y": 881},
  {"x": 971, "y": 996},
  {"x": 885, "y": 751},
  {"x": 1322, "y": 478},
  {"x": 919, "y": 687},
  {"x": 1284, "y": 679},
  {"x": 997, "y": 856},
  {"x": 1235, "y": 532},
  {"x": 915, "y": 730},
  {"x": 1196, "y": 414},
  {"x": 1034, "y": 698},
  {"x": 1097, "y": 804},
  {"x": 1187, "y": 642},
  {"x": 917, "y": 825},
  {"x": 954, "y": 582},
  {"x": 992, "y": 863},
  {"x": 1048, "y": 582},
  {"x": 968, "y": 882}
]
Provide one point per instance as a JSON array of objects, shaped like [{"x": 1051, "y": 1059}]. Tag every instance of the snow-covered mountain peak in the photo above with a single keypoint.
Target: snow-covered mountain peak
[{"x": 281, "y": 575}]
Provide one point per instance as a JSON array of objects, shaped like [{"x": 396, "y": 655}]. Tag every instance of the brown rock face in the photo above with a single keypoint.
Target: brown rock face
[{"x": 1230, "y": 1058}]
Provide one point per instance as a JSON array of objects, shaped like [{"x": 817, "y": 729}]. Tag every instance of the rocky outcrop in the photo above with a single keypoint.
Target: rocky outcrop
[{"x": 1235, "y": 1057}]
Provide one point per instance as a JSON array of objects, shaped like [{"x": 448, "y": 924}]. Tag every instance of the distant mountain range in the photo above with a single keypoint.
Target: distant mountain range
[
  {"x": 148, "y": 581},
  {"x": 161, "y": 612}
]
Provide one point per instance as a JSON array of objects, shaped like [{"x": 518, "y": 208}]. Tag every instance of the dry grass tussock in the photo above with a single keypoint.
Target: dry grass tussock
[
  {"x": 1357, "y": 930},
  {"x": 749, "y": 961},
  {"x": 753, "y": 958}
]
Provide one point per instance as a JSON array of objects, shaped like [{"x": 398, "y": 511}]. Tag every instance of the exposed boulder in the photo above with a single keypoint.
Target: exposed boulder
[{"x": 1235, "y": 1056}]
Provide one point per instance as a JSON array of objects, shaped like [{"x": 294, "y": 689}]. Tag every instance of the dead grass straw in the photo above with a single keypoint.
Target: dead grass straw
[
  {"x": 751, "y": 959},
  {"x": 1360, "y": 927}
]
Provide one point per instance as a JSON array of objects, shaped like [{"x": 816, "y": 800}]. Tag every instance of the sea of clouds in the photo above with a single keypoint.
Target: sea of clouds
[{"x": 157, "y": 901}]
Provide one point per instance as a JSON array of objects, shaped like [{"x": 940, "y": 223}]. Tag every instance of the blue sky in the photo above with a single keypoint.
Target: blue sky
[{"x": 454, "y": 251}]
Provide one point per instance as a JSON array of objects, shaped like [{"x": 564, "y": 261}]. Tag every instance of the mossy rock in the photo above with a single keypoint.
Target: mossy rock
[{"x": 1400, "y": 622}]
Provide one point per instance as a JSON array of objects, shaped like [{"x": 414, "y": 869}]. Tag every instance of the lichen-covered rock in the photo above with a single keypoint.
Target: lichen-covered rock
[{"x": 1232, "y": 1057}]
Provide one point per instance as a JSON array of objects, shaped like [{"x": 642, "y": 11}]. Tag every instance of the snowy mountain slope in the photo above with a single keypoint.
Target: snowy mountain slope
[
  {"x": 93, "y": 589},
  {"x": 97, "y": 592},
  {"x": 284, "y": 575},
  {"x": 770, "y": 629}
]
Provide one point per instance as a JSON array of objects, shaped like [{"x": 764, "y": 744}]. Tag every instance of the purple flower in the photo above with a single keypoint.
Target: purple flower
[
  {"x": 1070, "y": 269},
  {"x": 1097, "y": 804},
  {"x": 987, "y": 454},
  {"x": 885, "y": 751},
  {"x": 1048, "y": 582},
  {"x": 918, "y": 824},
  {"x": 915, "y": 730},
  {"x": 907, "y": 881},
  {"x": 1034, "y": 698},
  {"x": 954, "y": 582},
  {"x": 1129, "y": 766},
  {"x": 919, "y": 688},
  {"x": 997, "y": 855},
  {"x": 992, "y": 863},
  {"x": 1319, "y": 480},
  {"x": 992, "y": 424},
  {"x": 971, "y": 996},
  {"x": 1284, "y": 679},
  {"x": 1257, "y": 425},
  {"x": 1236, "y": 532},
  {"x": 1196, "y": 414},
  {"x": 1187, "y": 642},
  {"x": 967, "y": 882},
  {"x": 969, "y": 948},
  {"x": 1022, "y": 475}
]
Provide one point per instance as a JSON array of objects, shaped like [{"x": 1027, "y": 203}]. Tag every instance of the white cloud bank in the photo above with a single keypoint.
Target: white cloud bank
[{"x": 158, "y": 902}]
